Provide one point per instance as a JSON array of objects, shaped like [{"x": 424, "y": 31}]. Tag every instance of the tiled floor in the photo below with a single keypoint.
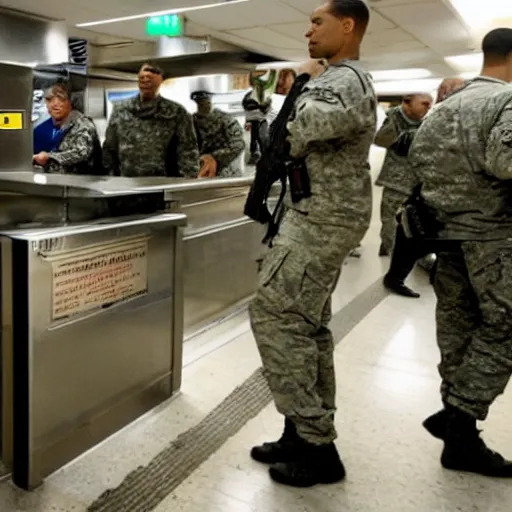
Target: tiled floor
[{"x": 387, "y": 384}]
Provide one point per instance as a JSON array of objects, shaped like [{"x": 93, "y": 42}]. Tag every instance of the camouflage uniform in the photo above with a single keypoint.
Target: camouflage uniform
[
  {"x": 396, "y": 176},
  {"x": 463, "y": 156},
  {"x": 221, "y": 136},
  {"x": 333, "y": 126},
  {"x": 152, "y": 138},
  {"x": 79, "y": 150}
]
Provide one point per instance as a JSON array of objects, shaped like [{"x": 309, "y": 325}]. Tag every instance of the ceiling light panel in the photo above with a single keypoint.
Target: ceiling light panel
[
  {"x": 427, "y": 86},
  {"x": 177, "y": 10},
  {"x": 482, "y": 15},
  {"x": 279, "y": 65},
  {"x": 468, "y": 75},
  {"x": 400, "y": 74},
  {"x": 470, "y": 62}
]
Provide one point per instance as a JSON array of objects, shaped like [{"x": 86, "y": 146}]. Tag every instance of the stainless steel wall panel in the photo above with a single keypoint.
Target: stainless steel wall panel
[
  {"x": 220, "y": 271},
  {"x": 221, "y": 249},
  {"x": 87, "y": 375}
]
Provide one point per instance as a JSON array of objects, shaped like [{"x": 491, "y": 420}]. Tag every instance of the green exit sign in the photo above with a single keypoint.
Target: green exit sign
[{"x": 167, "y": 25}]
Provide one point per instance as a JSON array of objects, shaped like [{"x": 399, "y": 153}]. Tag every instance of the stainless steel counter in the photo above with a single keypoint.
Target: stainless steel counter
[
  {"x": 39, "y": 184},
  {"x": 221, "y": 245}
]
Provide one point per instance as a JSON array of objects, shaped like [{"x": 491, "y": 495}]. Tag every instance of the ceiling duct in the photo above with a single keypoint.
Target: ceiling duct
[
  {"x": 186, "y": 56},
  {"x": 31, "y": 40}
]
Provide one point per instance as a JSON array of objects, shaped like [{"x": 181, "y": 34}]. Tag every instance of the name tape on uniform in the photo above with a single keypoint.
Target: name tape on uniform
[{"x": 11, "y": 120}]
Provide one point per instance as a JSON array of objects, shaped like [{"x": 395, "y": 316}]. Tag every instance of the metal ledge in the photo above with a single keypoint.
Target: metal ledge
[{"x": 72, "y": 186}]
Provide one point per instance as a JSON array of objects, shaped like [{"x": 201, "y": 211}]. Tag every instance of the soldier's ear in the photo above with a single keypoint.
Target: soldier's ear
[{"x": 348, "y": 25}]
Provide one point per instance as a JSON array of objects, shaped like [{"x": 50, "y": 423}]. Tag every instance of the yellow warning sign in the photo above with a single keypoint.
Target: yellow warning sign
[{"x": 11, "y": 120}]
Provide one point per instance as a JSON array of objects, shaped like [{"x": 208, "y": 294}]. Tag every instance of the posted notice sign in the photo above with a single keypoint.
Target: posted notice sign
[{"x": 94, "y": 278}]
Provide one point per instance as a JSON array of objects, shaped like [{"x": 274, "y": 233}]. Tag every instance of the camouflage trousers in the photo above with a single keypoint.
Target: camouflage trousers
[
  {"x": 389, "y": 206},
  {"x": 474, "y": 324},
  {"x": 290, "y": 316}
]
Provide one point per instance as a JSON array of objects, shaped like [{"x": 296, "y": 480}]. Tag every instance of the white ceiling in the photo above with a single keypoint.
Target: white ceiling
[{"x": 402, "y": 33}]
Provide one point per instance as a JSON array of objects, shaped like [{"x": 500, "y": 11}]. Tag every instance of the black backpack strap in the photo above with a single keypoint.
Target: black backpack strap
[{"x": 360, "y": 75}]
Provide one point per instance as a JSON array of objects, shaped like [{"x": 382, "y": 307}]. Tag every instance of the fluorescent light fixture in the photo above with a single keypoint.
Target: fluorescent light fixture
[
  {"x": 484, "y": 14},
  {"x": 469, "y": 62},
  {"x": 278, "y": 65},
  {"x": 400, "y": 74},
  {"x": 469, "y": 75},
  {"x": 178, "y": 10},
  {"x": 407, "y": 86}
]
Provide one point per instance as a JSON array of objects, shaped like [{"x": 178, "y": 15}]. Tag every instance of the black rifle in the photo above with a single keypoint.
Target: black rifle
[{"x": 276, "y": 165}]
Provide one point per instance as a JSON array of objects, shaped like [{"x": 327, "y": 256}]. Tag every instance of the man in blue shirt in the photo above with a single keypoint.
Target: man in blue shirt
[{"x": 68, "y": 142}]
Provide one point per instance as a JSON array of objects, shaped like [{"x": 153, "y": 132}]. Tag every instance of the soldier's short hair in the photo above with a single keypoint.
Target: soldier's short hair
[
  {"x": 58, "y": 90},
  {"x": 408, "y": 98},
  {"x": 497, "y": 44},
  {"x": 355, "y": 9}
]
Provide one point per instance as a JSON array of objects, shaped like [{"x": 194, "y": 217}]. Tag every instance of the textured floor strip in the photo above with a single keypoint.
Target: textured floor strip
[{"x": 143, "y": 489}]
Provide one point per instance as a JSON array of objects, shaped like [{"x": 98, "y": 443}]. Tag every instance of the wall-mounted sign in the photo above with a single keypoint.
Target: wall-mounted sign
[
  {"x": 98, "y": 277},
  {"x": 170, "y": 25},
  {"x": 11, "y": 120}
]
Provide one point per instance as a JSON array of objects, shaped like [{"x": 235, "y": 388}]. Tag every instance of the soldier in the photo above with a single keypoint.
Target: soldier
[
  {"x": 220, "y": 138},
  {"x": 396, "y": 176},
  {"x": 149, "y": 135},
  {"x": 68, "y": 141},
  {"x": 462, "y": 155},
  {"x": 257, "y": 105},
  {"x": 407, "y": 252},
  {"x": 332, "y": 128},
  {"x": 285, "y": 81},
  {"x": 284, "y": 85}
]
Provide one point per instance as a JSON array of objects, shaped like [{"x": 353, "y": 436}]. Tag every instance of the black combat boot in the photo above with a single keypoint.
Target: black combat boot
[
  {"x": 437, "y": 424},
  {"x": 465, "y": 450},
  {"x": 278, "y": 451},
  {"x": 314, "y": 465},
  {"x": 397, "y": 286}
]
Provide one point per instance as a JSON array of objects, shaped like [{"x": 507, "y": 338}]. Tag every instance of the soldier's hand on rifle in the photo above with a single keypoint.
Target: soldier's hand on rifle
[
  {"x": 313, "y": 67},
  {"x": 208, "y": 167}
]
